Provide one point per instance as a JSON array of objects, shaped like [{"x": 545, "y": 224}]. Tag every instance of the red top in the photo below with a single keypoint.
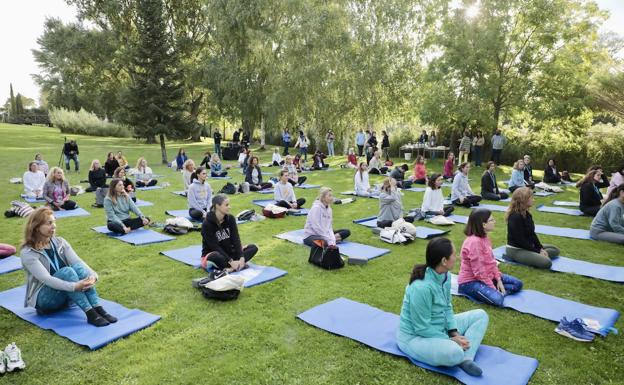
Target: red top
[
  {"x": 449, "y": 168},
  {"x": 352, "y": 159},
  {"x": 420, "y": 171}
]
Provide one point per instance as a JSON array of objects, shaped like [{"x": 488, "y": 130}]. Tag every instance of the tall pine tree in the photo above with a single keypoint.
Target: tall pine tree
[
  {"x": 13, "y": 110},
  {"x": 155, "y": 98},
  {"x": 19, "y": 105}
]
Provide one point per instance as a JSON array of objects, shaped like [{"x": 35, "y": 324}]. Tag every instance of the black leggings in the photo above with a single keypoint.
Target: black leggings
[
  {"x": 286, "y": 205},
  {"x": 261, "y": 186},
  {"x": 378, "y": 171},
  {"x": 67, "y": 205},
  {"x": 223, "y": 261},
  {"x": 493, "y": 197},
  {"x": 420, "y": 181},
  {"x": 448, "y": 210},
  {"x": 590, "y": 210},
  {"x": 299, "y": 181},
  {"x": 309, "y": 241},
  {"x": 151, "y": 183},
  {"x": 91, "y": 188},
  {"x": 469, "y": 201},
  {"x": 196, "y": 214},
  {"x": 132, "y": 223}
]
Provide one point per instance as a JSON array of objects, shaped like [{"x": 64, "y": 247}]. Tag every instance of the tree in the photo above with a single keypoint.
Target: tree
[
  {"x": 154, "y": 100},
  {"x": 607, "y": 92},
  {"x": 13, "y": 110},
  {"x": 19, "y": 106}
]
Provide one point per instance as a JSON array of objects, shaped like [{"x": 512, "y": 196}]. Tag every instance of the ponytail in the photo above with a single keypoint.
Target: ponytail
[{"x": 437, "y": 249}]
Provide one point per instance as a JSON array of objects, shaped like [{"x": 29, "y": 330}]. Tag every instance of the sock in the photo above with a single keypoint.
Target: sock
[
  {"x": 95, "y": 319},
  {"x": 471, "y": 368},
  {"x": 100, "y": 310}
]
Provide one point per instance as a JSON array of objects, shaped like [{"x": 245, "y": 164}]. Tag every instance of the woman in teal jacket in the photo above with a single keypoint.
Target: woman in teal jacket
[{"x": 428, "y": 331}]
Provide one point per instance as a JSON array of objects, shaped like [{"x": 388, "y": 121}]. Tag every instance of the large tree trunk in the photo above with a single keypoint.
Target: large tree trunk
[
  {"x": 262, "y": 133},
  {"x": 163, "y": 150},
  {"x": 195, "y": 104}
]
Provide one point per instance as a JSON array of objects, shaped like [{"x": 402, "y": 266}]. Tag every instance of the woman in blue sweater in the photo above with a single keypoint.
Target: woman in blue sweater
[
  {"x": 118, "y": 206},
  {"x": 199, "y": 194},
  {"x": 428, "y": 331}
]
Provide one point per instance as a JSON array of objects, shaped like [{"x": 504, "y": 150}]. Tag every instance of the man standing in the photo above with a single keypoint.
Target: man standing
[
  {"x": 286, "y": 140},
  {"x": 360, "y": 140},
  {"x": 70, "y": 150},
  {"x": 498, "y": 142},
  {"x": 236, "y": 136},
  {"x": 217, "y": 143}
]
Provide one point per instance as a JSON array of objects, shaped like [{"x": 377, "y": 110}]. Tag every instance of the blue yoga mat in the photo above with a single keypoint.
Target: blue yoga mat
[
  {"x": 458, "y": 218},
  {"x": 543, "y": 193},
  {"x": 266, "y": 202},
  {"x": 307, "y": 186},
  {"x": 266, "y": 191},
  {"x": 181, "y": 213},
  {"x": 136, "y": 237},
  {"x": 77, "y": 212},
  {"x": 350, "y": 249},
  {"x": 141, "y": 203},
  {"x": 506, "y": 200},
  {"x": 559, "y": 210},
  {"x": 254, "y": 274},
  {"x": 422, "y": 232},
  {"x": 10, "y": 264},
  {"x": 490, "y": 207},
  {"x": 180, "y": 193},
  {"x": 32, "y": 200},
  {"x": 220, "y": 177},
  {"x": 575, "y": 266},
  {"x": 72, "y": 322},
  {"x": 374, "y": 196},
  {"x": 415, "y": 189},
  {"x": 553, "y": 308},
  {"x": 566, "y": 203},
  {"x": 149, "y": 188},
  {"x": 377, "y": 329}
]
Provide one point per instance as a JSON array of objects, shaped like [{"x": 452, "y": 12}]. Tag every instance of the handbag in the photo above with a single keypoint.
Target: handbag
[
  {"x": 394, "y": 235},
  {"x": 326, "y": 257}
]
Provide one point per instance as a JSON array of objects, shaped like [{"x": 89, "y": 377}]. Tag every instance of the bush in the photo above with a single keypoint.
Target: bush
[{"x": 86, "y": 123}]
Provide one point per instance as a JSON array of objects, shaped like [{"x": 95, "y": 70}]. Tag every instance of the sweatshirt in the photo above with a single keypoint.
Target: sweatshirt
[
  {"x": 498, "y": 141},
  {"x": 284, "y": 192},
  {"x": 616, "y": 180},
  {"x": 521, "y": 232},
  {"x": 199, "y": 196},
  {"x": 97, "y": 178},
  {"x": 320, "y": 223},
  {"x": 420, "y": 171},
  {"x": 55, "y": 192},
  {"x": 249, "y": 175},
  {"x": 478, "y": 262},
  {"x": 221, "y": 237},
  {"x": 461, "y": 187},
  {"x": 33, "y": 181},
  {"x": 110, "y": 166},
  {"x": 610, "y": 218},
  {"x": 517, "y": 179},
  {"x": 590, "y": 195},
  {"x": 427, "y": 310},
  {"x": 390, "y": 206},
  {"x": 117, "y": 212},
  {"x": 362, "y": 184},
  {"x": 433, "y": 200}
]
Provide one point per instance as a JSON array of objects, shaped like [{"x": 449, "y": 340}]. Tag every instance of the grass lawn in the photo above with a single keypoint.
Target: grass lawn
[{"x": 257, "y": 339}]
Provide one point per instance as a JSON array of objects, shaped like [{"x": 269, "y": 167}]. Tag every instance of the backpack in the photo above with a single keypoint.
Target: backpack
[
  {"x": 273, "y": 211},
  {"x": 244, "y": 187},
  {"x": 327, "y": 258},
  {"x": 393, "y": 235},
  {"x": 222, "y": 287},
  {"x": 229, "y": 189},
  {"x": 246, "y": 215},
  {"x": 175, "y": 230}
]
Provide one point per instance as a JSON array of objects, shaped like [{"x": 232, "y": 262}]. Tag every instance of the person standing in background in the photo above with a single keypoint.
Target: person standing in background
[
  {"x": 498, "y": 142},
  {"x": 236, "y": 136},
  {"x": 360, "y": 140},
  {"x": 217, "y": 142},
  {"x": 464, "y": 148},
  {"x": 385, "y": 145},
  {"x": 433, "y": 142},
  {"x": 477, "y": 145},
  {"x": 286, "y": 140},
  {"x": 330, "y": 138}
]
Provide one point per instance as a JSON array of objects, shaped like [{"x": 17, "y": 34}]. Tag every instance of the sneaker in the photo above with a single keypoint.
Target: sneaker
[
  {"x": 3, "y": 362},
  {"x": 575, "y": 329},
  {"x": 13, "y": 358}
]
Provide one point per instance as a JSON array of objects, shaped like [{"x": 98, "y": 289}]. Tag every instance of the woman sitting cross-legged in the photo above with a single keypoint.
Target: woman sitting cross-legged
[
  {"x": 97, "y": 176},
  {"x": 429, "y": 331},
  {"x": 293, "y": 177},
  {"x": 277, "y": 158},
  {"x": 318, "y": 230},
  {"x": 419, "y": 175},
  {"x": 144, "y": 175},
  {"x": 199, "y": 194},
  {"x": 351, "y": 159},
  {"x": 111, "y": 164},
  {"x": 188, "y": 168},
  {"x": 523, "y": 245},
  {"x": 118, "y": 206},
  {"x": 517, "y": 177},
  {"x": 375, "y": 165},
  {"x": 361, "y": 181},
  {"x": 551, "y": 174},
  {"x": 253, "y": 176},
  {"x": 221, "y": 244},
  {"x": 390, "y": 203},
  {"x": 608, "y": 225},
  {"x": 589, "y": 192},
  {"x": 433, "y": 201},
  {"x": 216, "y": 167},
  {"x": 120, "y": 173},
  {"x": 34, "y": 180},
  {"x": 479, "y": 277},
  {"x": 449, "y": 166},
  {"x": 284, "y": 193},
  {"x": 461, "y": 193},
  {"x": 55, "y": 275},
  {"x": 489, "y": 187},
  {"x": 56, "y": 191}
]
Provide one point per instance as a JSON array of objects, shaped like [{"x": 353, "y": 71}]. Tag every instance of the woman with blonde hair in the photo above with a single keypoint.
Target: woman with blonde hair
[
  {"x": 523, "y": 245},
  {"x": 187, "y": 170},
  {"x": 144, "y": 174},
  {"x": 319, "y": 224},
  {"x": 216, "y": 167},
  {"x": 55, "y": 275},
  {"x": 56, "y": 191},
  {"x": 118, "y": 206},
  {"x": 390, "y": 203},
  {"x": 375, "y": 166},
  {"x": 517, "y": 177},
  {"x": 97, "y": 176},
  {"x": 121, "y": 159}
]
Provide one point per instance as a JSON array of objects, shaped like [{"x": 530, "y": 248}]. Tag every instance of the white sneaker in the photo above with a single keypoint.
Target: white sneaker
[
  {"x": 3, "y": 362},
  {"x": 14, "y": 358}
]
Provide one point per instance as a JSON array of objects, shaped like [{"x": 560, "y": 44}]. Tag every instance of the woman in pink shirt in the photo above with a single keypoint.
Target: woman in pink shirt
[
  {"x": 449, "y": 166},
  {"x": 479, "y": 277},
  {"x": 420, "y": 171}
]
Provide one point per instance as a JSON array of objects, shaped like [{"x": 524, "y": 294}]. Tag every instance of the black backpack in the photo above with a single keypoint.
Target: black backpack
[
  {"x": 327, "y": 258},
  {"x": 229, "y": 189},
  {"x": 246, "y": 215},
  {"x": 226, "y": 295}
]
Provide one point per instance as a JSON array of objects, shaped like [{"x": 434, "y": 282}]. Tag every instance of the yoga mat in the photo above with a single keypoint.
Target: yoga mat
[
  {"x": 543, "y": 193},
  {"x": 10, "y": 264},
  {"x": 421, "y": 231},
  {"x": 180, "y": 193},
  {"x": 375, "y": 196},
  {"x": 266, "y": 202},
  {"x": 149, "y": 188},
  {"x": 136, "y": 237},
  {"x": 77, "y": 212},
  {"x": 32, "y": 200},
  {"x": 559, "y": 210},
  {"x": 185, "y": 214},
  {"x": 490, "y": 207},
  {"x": 446, "y": 184},
  {"x": 575, "y": 266},
  {"x": 552, "y": 308},
  {"x": 140, "y": 203},
  {"x": 566, "y": 203},
  {"x": 220, "y": 177},
  {"x": 266, "y": 191},
  {"x": 254, "y": 274},
  {"x": 377, "y": 329},
  {"x": 350, "y": 249},
  {"x": 415, "y": 189},
  {"x": 307, "y": 186},
  {"x": 72, "y": 323},
  {"x": 458, "y": 218}
]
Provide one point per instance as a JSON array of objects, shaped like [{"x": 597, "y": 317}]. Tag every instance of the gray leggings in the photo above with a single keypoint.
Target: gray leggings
[
  {"x": 531, "y": 258},
  {"x": 607, "y": 236}
]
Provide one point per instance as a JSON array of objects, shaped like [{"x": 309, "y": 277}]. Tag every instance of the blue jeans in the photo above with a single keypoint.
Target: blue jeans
[
  {"x": 51, "y": 300},
  {"x": 217, "y": 149},
  {"x": 304, "y": 153},
  {"x": 444, "y": 351},
  {"x": 330, "y": 148},
  {"x": 483, "y": 293},
  {"x": 76, "y": 162},
  {"x": 286, "y": 145}
]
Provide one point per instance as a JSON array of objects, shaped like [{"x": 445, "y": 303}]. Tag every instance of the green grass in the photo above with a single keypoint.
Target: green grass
[{"x": 257, "y": 339}]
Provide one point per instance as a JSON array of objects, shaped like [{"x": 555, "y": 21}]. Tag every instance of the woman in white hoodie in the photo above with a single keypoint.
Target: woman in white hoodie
[
  {"x": 33, "y": 180},
  {"x": 362, "y": 184}
]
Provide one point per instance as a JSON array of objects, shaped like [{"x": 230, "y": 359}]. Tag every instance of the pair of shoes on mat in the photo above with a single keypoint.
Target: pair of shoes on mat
[
  {"x": 11, "y": 359},
  {"x": 576, "y": 329},
  {"x": 97, "y": 316}
]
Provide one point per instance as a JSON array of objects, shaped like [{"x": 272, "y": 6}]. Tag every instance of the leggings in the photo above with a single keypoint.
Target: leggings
[
  {"x": 378, "y": 171},
  {"x": 360, "y": 149},
  {"x": 67, "y": 205},
  {"x": 222, "y": 261},
  {"x": 6, "y": 250},
  {"x": 261, "y": 186},
  {"x": 219, "y": 174},
  {"x": 286, "y": 205},
  {"x": 607, "y": 236},
  {"x": 196, "y": 214},
  {"x": 50, "y": 300},
  {"x": 441, "y": 351},
  {"x": 531, "y": 258},
  {"x": 590, "y": 210},
  {"x": 420, "y": 181},
  {"x": 151, "y": 183},
  {"x": 299, "y": 181},
  {"x": 448, "y": 210},
  {"x": 132, "y": 223},
  {"x": 481, "y": 292},
  {"x": 470, "y": 200},
  {"x": 493, "y": 197},
  {"x": 309, "y": 241}
]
